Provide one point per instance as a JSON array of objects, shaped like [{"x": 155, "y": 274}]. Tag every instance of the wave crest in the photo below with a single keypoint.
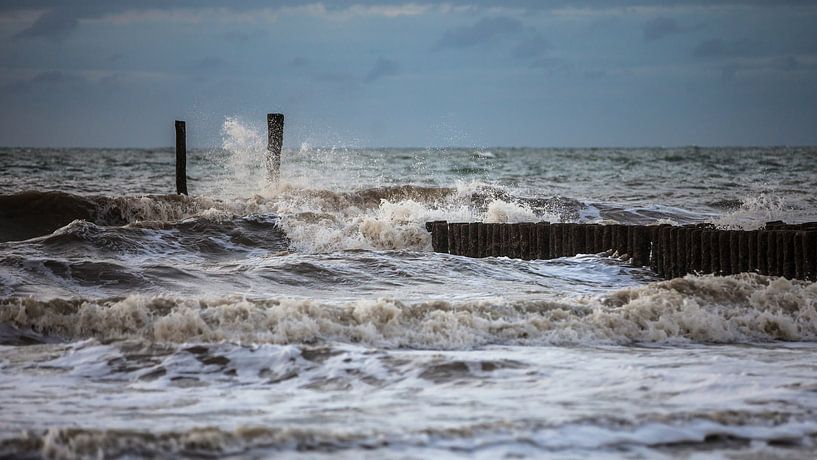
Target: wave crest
[{"x": 734, "y": 309}]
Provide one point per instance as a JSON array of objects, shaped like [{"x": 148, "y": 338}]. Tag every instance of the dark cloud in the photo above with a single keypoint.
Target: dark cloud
[
  {"x": 787, "y": 63},
  {"x": 594, "y": 74},
  {"x": 532, "y": 47},
  {"x": 485, "y": 31},
  {"x": 299, "y": 61},
  {"x": 719, "y": 48},
  {"x": 729, "y": 72},
  {"x": 53, "y": 25},
  {"x": 49, "y": 78},
  {"x": 382, "y": 68},
  {"x": 209, "y": 64},
  {"x": 658, "y": 28},
  {"x": 552, "y": 66}
]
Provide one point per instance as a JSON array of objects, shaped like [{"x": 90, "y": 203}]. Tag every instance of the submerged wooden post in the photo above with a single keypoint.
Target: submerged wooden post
[
  {"x": 762, "y": 252},
  {"x": 275, "y": 140},
  {"x": 788, "y": 254},
  {"x": 810, "y": 253},
  {"x": 439, "y": 236},
  {"x": 482, "y": 240},
  {"x": 181, "y": 158},
  {"x": 494, "y": 241},
  {"x": 543, "y": 237},
  {"x": 473, "y": 240},
  {"x": 706, "y": 252}
]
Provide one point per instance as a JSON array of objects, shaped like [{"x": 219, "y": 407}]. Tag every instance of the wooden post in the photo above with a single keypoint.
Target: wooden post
[
  {"x": 743, "y": 252},
  {"x": 516, "y": 241},
  {"x": 598, "y": 239},
  {"x": 493, "y": 231},
  {"x": 578, "y": 238},
  {"x": 606, "y": 238},
  {"x": 680, "y": 251},
  {"x": 454, "y": 239},
  {"x": 439, "y": 236},
  {"x": 763, "y": 252},
  {"x": 523, "y": 233},
  {"x": 666, "y": 256},
  {"x": 694, "y": 262},
  {"x": 473, "y": 239},
  {"x": 725, "y": 250},
  {"x": 788, "y": 254},
  {"x": 772, "y": 267},
  {"x": 504, "y": 240},
  {"x": 566, "y": 241},
  {"x": 734, "y": 251},
  {"x": 714, "y": 252},
  {"x": 556, "y": 240},
  {"x": 672, "y": 251},
  {"x": 799, "y": 255},
  {"x": 482, "y": 240},
  {"x": 543, "y": 237},
  {"x": 589, "y": 238},
  {"x": 533, "y": 235},
  {"x": 181, "y": 158},
  {"x": 751, "y": 246},
  {"x": 810, "y": 254},
  {"x": 275, "y": 140},
  {"x": 655, "y": 248},
  {"x": 706, "y": 251},
  {"x": 465, "y": 239}
]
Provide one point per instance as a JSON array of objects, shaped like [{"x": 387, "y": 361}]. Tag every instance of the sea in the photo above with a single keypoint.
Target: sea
[{"x": 310, "y": 318}]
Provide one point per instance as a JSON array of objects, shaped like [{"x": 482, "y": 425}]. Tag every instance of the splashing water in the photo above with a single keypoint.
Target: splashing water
[
  {"x": 244, "y": 165},
  {"x": 755, "y": 211}
]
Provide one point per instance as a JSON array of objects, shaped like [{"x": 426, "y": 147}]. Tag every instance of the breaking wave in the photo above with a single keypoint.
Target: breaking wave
[{"x": 734, "y": 309}]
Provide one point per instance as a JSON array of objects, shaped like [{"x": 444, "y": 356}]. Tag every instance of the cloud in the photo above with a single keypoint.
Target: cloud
[
  {"x": 55, "y": 25},
  {"x": 299, "y": 61},
  {"x": 552, "y": 66},
  {"x": 49, "y": 80},
  {"x": 209, "y": 64},
  {"x": 532, "y": 47},
  {"x": 729, "y": 72},
  {"x": 719, "y": 48},
  {"x": 787, "y": 63},
  {"x": 594, "y": 74},
  {"x": 658, "y": 28},
  {"x": 382, "y": 68},
  {"x": 484, "y": 31}
]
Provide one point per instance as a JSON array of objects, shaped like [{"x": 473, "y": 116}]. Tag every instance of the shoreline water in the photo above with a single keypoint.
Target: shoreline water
[{"x": 315, "y": 321}]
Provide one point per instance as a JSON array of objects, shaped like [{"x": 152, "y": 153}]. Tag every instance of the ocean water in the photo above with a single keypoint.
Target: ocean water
[{"x": 312, "y": 320}]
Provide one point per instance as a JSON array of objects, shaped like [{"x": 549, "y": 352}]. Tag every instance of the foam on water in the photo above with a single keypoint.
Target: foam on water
[{"x": 736, "y": 309}]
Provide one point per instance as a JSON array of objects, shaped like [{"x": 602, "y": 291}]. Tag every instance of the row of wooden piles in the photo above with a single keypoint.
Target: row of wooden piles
[{"x": 779, "y": 249}]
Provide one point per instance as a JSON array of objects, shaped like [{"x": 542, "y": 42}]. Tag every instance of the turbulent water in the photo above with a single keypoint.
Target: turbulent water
[{"x": 312, "y": 319}]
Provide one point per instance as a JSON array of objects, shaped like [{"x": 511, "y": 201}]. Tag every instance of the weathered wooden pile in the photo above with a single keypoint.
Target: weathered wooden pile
[{"x": 779, "y": 249}]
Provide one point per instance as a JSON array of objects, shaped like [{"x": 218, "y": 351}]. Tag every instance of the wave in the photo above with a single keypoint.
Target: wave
[
  {"x": 734, "y": 309},
  {"x": 316, "y": 220},
  {"x": 30, "y": 214},
  {"x": 671, "y": 436}
]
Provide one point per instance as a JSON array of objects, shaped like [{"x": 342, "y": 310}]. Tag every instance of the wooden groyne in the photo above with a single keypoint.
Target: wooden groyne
[{"x": 779, "y": 249}]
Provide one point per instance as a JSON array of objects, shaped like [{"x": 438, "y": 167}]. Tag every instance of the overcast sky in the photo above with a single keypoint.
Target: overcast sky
[{"x": 378, "y": 73}]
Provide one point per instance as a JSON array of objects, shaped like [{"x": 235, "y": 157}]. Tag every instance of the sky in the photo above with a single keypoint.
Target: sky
[{"x": 475, "y": 73}]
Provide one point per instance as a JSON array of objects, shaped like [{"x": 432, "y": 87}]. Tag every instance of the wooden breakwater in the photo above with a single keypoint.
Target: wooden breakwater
[{"x": 778, "y": 249}]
